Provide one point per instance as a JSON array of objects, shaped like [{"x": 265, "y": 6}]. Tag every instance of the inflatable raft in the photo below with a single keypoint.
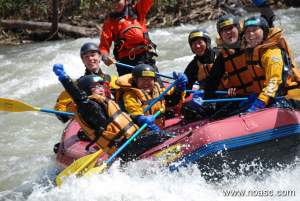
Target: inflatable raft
[{"x": 270, "y": 137}]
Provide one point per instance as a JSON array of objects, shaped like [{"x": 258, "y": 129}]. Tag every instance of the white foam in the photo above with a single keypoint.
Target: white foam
[{"x": 146, "y": 181}]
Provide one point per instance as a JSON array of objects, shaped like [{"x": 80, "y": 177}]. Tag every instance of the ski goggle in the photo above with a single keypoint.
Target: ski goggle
[{"x": 104, "y": 86}]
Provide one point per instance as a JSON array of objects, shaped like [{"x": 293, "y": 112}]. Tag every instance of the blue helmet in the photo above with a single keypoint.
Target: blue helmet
[{"x": 257, "y": 21}]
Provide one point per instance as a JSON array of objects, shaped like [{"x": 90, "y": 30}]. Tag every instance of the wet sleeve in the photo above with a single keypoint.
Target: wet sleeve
[
  {"x": 132, "y": 105},
  {"x": 143, "y": 7},
  {"x": 213, "y": 80},
  {"x": 272, "y": 62},
  {"x": 174, "y": 97},
  {"x": 191, "y": 72},
  {"x": 106, "y": 37}
]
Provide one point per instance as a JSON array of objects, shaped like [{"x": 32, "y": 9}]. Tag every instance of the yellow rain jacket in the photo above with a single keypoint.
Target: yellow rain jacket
[
  {"x": 136, "y": 100},
  {"x": 268, "y": 58},
  {"x": 272, "y": 62}
]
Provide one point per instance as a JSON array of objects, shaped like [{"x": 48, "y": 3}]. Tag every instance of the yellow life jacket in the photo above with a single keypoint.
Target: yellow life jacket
[
  {"x": 144, "y": 98},
  {"x": 119, "y": 128},
  {"x": 112, "y": 82},
  {"x": 124, "y": 83}
]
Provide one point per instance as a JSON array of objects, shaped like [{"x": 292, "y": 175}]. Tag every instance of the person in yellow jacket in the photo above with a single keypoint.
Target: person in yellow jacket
[
  {"x": 139, "y": 88},
  {"x": 268, "y": 57},
  {"x": 91, "y": 58},
  {"x": 101, "y": 118},
  {"x": 230, "y": 65}
]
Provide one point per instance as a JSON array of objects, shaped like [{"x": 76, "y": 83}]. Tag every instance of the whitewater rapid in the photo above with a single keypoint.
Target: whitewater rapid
[{"x": 27, "y": 139}]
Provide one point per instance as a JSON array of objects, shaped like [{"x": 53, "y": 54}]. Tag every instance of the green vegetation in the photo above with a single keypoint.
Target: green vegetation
[
  {"x": 23, "y": 9},
  {"x": 41, "y": 10}
]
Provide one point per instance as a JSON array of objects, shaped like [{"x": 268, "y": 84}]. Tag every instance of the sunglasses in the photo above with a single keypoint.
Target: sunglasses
[{"x": 100, "y": 85}]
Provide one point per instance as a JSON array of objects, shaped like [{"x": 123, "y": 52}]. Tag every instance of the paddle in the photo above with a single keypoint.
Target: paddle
[
  {"x": 79, "y": 166},
  {"x": 292, "y": 94},
  {"x": 218, "y": 100},
  {"x": 85, "y": 164},
  {"x": 99, "y": 169},
  {"x": 10, "y": 105},
  {"x": 131, "y": 67},
  {"x": 216, "y": 92},
  {"x": 159, "y": 74}
]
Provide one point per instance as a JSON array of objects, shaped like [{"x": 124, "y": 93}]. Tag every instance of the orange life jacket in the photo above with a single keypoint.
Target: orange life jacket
[
  {"x": 237, "y": 73},
  {"x": 119, "y": 128},
  {"x": 132, "y": 35},
  {"x": 203, "y": 71}
]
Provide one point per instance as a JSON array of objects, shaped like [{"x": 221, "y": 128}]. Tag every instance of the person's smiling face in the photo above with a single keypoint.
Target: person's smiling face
[
  {"x": 254, "y": 36},
  {"x": 199, "y": 46},
  {"x": 91, "y": 61},
  {"x": 145, "y": 83},
  {"x": 229, "y": 34}
]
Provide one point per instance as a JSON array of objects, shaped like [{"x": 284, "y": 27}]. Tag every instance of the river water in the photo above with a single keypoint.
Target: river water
[{"x": 27, "y": 139}]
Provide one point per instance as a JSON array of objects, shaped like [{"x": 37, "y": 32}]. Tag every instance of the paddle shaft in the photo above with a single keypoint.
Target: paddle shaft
[
  {"x": 131, "y": 67},
  {"x": 216, "y": 92},
  {"x": 160, "y": 96},
  {"x": 56, "y": 112},
  {"x": 224, "y": 100},
  {"x": 157, "y": 73},
  {"x": 229, "y": 99},
  {"x": 123, "y": 146}
]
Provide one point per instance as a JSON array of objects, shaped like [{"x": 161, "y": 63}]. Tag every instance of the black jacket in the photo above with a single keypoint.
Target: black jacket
[
  {"x": 90, "y": 111},
  {"x": 191, "y": 70}
]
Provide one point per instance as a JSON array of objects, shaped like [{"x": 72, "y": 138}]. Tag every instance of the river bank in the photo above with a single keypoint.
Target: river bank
[{"x": 86, "y": 20}]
